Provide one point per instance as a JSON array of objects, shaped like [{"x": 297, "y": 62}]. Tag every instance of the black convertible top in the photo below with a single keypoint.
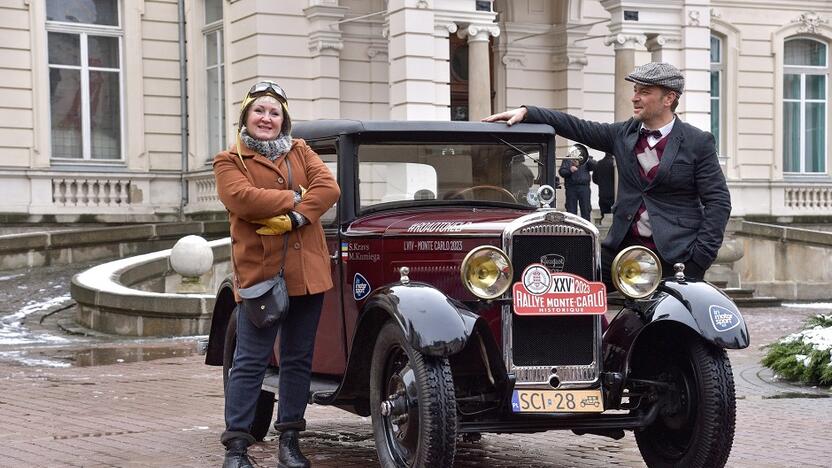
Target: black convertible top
[{"x": 323, "y": 129}]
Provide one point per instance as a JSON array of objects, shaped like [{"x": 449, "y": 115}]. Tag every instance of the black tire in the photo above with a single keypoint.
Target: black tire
[
  {"x": 265, "y": 401},
  {"x": 421, "y": 432},
  {"x": 697, "y": 430}
]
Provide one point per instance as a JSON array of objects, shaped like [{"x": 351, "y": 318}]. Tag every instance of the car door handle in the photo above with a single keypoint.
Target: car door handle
[{"x": 334, "y": 256}]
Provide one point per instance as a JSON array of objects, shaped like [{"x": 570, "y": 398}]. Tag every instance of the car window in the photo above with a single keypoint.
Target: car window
[{"x": 440, "y": 171}]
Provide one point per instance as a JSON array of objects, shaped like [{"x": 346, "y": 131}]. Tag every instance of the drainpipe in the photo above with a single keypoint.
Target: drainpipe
[{"x": 183, "y": 108}]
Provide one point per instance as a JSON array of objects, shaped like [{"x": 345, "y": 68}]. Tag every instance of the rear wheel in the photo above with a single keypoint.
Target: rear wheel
[
  {"x": 265, "y": 401},
  {"x": 695, "y": 427},
  {"x": 412, "y": 403}
]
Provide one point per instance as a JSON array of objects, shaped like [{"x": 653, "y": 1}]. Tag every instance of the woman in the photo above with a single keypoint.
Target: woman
[{"x": 266, "y": 200}]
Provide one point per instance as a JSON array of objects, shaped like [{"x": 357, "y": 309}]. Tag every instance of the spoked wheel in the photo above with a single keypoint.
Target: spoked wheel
[
  {"x": 412, "y": 403},
  {"x": 695, "y": 427},
  {"x": 265, "y": 401}
]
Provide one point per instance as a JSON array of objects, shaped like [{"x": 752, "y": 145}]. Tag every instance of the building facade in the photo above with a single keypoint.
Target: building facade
[{"x": 94, "y": 125}]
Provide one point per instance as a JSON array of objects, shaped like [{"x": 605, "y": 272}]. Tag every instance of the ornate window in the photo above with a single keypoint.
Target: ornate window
[
  {"x": 84, "y": 42},
  {"x": 805, "y": 78},
  {"x": 717, "y": 93},
  {"x": 215, "y": 76}
]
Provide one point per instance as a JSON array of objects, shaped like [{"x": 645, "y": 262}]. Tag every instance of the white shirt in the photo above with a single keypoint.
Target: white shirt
[{"x": 664, "y": 130}]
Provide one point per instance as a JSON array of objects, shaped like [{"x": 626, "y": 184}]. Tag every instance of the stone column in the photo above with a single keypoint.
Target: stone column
[
  {"x": 325, "y": 45},
  {"x": 410, "y": 31},
  {"x": 625, "y": 61},
  {"x": 479, "y": 69}
]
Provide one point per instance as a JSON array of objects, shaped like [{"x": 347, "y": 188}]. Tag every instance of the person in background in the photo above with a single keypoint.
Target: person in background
[
  {"x": 672, "y": 196},
  {"x": 604, "y": 178},
  {"x": 265, "y": 201},
  {"x": 576, "y": 180}
]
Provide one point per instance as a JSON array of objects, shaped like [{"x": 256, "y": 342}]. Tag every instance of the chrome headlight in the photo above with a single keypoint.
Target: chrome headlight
[
  {"x": 486, "y": 272},
  {"x": 636, "y": 272}
]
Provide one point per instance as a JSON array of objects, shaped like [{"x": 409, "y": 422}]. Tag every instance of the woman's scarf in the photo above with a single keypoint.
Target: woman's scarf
[{"x": 268, "y": 148}]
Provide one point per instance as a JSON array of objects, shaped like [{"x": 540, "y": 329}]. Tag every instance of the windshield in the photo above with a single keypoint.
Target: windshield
[{"x": 427, "y": 172}]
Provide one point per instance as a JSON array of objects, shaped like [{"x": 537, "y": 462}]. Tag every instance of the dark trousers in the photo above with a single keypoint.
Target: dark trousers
[
  {"x": 252, "y": 356},
  {"x": 578, "y": 195},
  {"x": 692, "y": 271}
]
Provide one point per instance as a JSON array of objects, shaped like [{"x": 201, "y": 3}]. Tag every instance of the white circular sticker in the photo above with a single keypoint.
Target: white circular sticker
[{"x": 537, "y": 279}]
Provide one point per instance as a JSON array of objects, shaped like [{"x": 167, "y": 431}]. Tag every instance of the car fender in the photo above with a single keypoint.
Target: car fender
[
  {"x": 432, "y": 323},
  {"x": 696, "y": 305}
]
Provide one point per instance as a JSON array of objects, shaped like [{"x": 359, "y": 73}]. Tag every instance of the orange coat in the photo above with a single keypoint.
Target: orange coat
[{"x": 259, "y": 190}]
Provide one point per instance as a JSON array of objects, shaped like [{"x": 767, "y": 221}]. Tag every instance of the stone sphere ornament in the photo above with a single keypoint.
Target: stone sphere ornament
[{"x": 191, "y": 256}]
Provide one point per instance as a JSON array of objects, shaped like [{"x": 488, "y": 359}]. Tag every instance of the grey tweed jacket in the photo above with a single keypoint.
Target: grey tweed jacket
[{"x": 688, "y": 201}]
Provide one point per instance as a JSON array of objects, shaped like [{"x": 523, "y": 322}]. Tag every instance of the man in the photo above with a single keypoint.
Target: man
[
  {"x": 576, "y": 179},
  {"x": 672, "y": 195},
  {"x": 604, "y": 178}
]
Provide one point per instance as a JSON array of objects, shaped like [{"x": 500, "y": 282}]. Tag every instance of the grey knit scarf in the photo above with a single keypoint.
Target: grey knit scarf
[{"x": 268, "y": 148}]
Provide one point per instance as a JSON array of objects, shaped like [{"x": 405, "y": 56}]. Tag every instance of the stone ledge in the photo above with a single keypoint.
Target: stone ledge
[
  {"x": 80, "y": 245},
  {"x": 107, "y": 304}
]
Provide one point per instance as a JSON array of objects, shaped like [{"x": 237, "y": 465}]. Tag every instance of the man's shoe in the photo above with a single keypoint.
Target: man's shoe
[
  {"x": 236, "y": 454},
  {"x": 288, "y": 453}
]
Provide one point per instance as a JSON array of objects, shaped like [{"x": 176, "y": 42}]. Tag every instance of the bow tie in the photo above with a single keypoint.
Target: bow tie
[{"x": 650, "y": 133}]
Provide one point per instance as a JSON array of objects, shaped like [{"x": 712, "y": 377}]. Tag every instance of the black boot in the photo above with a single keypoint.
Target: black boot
[
  {"x": 289, "y": 454},
  {"x": 236, "y": 455}
]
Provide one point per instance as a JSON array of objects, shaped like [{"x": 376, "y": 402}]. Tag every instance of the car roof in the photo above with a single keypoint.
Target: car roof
[{"x": 325, "y": 128}]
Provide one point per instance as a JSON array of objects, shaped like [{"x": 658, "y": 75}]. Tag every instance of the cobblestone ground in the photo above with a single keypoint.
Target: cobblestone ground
[{"x": 137, "y": 403}]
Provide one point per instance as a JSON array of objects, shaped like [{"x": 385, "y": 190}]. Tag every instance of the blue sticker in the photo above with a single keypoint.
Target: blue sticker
[
  {"x": 515, "y": 402},
  {"x": 724, "y": 319},
  {"x": 360, "y": 287}
]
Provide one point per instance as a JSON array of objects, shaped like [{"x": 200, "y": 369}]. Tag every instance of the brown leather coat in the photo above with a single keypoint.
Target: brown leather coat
[{"x": 259, "y": 190}]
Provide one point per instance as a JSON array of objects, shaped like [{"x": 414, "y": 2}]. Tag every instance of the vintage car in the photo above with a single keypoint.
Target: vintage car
[{"x": 465, "y": 304}]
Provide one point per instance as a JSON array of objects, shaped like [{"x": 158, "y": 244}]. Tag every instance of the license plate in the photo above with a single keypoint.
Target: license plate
[{"x": 557, "y": 401}]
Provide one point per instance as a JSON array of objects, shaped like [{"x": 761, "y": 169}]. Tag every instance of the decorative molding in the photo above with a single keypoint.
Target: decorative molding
[
  {"x": 625, "y": 41},
  {"x": 422, "y": 4},
  {"x": 661, "y": 40},
  {"x": 693, "y": 18},
  {"x": 446, "y": 27},
  {"x": 716, "y": 13},
  {"x": 514, "y": 61},
  {"x": 478, "y": 32},
  {"x": 375, "y": 51},
  {"x": 810, "y": 21},
  {"x": 571, "y": 61},
  {"x": 318, "y": 46}
]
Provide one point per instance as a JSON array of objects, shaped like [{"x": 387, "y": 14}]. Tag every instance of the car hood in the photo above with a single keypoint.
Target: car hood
[{"x": 440, "y": 221}]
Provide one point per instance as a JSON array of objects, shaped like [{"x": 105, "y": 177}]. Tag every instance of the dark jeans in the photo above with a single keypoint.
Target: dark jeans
[
  {"x": 252, "y": 356},
  {"x": 578, "y": 195},
  {"x": 692, "y": 271}
]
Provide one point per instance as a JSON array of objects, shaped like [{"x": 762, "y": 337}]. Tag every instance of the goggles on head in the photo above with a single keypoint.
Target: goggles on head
[{"x": 268, "y": 87}]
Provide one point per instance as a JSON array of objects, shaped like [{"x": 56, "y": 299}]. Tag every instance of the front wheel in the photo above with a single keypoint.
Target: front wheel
[
  {"x": 412, "y": 403},
  {"x": 265, "y": 400},
  {"x": 695, "y": 427}
]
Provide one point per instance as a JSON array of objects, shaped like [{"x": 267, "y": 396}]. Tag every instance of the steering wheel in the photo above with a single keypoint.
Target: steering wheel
[{"x": 500, "y": 191}]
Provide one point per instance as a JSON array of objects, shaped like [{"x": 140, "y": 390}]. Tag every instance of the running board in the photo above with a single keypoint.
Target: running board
[{"x": 320, "y": 387}]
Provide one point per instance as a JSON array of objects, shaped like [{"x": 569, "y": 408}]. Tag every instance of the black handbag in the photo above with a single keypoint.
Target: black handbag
[{"x": 267, "y": 302}]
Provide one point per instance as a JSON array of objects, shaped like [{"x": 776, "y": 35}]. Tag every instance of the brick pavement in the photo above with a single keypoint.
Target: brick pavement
[{"x": 168, "y": 412}]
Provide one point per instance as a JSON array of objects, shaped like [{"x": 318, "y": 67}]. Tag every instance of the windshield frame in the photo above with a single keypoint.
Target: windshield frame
[{"x": 512, "y": 140}]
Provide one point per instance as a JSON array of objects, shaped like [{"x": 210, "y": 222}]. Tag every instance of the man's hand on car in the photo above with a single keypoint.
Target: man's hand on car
[{"x": 510, "y": 117}]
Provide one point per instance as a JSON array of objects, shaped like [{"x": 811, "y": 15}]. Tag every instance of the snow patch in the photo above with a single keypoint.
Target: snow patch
[{"x": 813, "y": 305}]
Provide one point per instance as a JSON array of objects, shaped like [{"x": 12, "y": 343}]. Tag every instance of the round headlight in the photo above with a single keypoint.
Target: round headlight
[
  {"x": 636, "y": 272},
  {"x": 486, "y": 272}
]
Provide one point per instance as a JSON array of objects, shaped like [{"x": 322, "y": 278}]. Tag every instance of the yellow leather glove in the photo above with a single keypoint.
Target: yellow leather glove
[{"x": 274, "y": 226}]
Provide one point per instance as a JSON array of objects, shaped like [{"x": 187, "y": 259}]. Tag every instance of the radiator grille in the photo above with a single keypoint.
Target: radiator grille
[{"x": 548, "y": 341}]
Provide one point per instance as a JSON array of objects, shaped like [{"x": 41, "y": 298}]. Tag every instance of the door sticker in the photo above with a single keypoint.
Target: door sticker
[{"x": 360, "y": 287}]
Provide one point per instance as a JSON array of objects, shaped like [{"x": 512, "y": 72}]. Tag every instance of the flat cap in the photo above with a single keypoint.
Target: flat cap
[{"x": 658, "y": 74}]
